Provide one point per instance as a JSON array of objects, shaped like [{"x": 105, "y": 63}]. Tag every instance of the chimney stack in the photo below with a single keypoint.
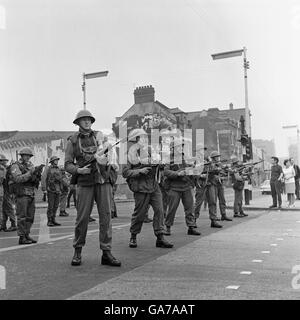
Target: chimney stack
[
  {"x": 144, "y": 94},
  {"x": 230, "y": 106}
]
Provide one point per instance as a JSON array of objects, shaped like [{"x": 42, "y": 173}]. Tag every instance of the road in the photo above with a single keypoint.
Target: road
[{"x": 196, "y": 268}]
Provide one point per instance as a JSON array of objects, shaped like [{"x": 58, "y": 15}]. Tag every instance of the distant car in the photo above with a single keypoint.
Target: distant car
[{"x": 265, "y": 187}]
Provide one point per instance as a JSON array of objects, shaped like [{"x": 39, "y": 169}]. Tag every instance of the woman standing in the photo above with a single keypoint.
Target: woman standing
[{"x": 289, "y": 180}]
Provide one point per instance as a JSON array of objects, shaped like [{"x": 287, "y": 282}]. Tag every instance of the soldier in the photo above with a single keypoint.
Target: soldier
[
  {"x": 143, "y": 182},
  {"x": 238, "y": 186},
  {"x": 94, "y": 183},
  {"x": 65, "y": 182},
  {"x": 180, "y": 187},
  {"x": 52, "y": 184},
  {"x": 8, "y": 208},
  {"x": 26, "y": 178},
  {"x": 215, "y": 190}
]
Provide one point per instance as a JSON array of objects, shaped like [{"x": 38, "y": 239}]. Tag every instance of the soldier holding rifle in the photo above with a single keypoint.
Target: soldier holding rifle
[
  {"x": 94, "y": 180},
  {"x": 179, "y": 187},
  {"x": 143, "y": 180},
  {"x": 215, "y": 190}
]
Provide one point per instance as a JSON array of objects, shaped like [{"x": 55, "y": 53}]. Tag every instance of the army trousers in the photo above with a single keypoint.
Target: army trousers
[
  {"x": 142, "y": 203},
  {"x": 188, "y": 204},
  {"x": 165, "y": 199},
  {"x": 8, "y": 209},
  {"x": 213, "y": 193},
  {"x": 199, "y": 199},
  {"x": 86, "y": 195},
  {"x": 53, "y": 203},
  {"x": 25, "y": 211},
  {"x": 238, "y": 201},
  {"x": 63, "y": 201}
]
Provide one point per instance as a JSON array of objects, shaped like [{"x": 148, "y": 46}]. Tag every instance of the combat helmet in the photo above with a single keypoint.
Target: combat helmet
[
  {"x": 83, "y": 114},
  {"x": 53, "y": 158},
  {"x": 26, "y": 151},
  {"x": 3, "y": 158},
  {"x": 215, "y": 154}
]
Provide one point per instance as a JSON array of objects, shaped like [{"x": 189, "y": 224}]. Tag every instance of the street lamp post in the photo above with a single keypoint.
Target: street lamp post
[
  {"x": 236, "y": 53},
  {"x": 230, "y": 54},
  {"x": 298, "y": 139},
  {"x": 90, "y": 76}
]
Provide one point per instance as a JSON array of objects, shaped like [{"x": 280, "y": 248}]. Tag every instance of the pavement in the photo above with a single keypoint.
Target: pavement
[{"x": 249, "y": 258}]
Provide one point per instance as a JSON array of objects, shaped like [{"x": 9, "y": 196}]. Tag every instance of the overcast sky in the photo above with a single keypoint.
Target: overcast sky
[{"x": 46, "y": 45}]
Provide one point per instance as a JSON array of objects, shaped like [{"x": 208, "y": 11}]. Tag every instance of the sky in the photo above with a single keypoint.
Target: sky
[{"x": 46, "y": 46}]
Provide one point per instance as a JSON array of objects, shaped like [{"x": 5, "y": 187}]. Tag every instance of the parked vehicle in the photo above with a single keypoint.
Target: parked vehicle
[{"x": 265, "y": 187}]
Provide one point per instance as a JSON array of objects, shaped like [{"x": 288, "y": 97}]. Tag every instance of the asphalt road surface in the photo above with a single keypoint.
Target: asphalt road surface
[{"x": 205, "y": 267}]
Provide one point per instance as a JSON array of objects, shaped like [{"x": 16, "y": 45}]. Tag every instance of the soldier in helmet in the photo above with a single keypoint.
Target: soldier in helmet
[
  {"x": 215, "y": 190},
  {"x": 8, "y": 209},
  {"x": 23, "y": 175},
  {"x": 143, "y": 182},
  {"x": 94, "y": 181},
  {"x": 180, "y": 188},
  {"x": 238, "y": 183},
  {"x": 53, "y": 186}
]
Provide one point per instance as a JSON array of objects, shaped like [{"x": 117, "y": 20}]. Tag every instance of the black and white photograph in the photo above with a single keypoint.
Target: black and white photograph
[{"x": 149, "y": 153}]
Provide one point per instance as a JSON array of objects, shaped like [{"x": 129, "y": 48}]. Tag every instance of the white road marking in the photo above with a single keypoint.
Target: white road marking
[
  {"x": 298, "y": 221},
  {"x": 245, "y": 272},
  {"x": 265, "y": 251},
  {"x": 43, "y": 230},
  {"x": 285, "y": 234},
  {"x": 232, "y": 287},
  {"x": 279, "y": 239},
  {"x": 257, "y": 260},
  {"x": 289, "y": 229},
  {"x": 50, "y": 242},
  {"x": 273, "y": 244}
]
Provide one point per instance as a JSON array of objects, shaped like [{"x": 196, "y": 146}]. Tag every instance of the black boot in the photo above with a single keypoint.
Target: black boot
[
  {"x": 132, "y": 241},
  {"x": 243, "y": 214},
  {"x": 23, "y": 240},
  {"x": 193, "y": 232},
  {"x": 3, "y": 228},
  {"x": 162, "y": 243},
  {"x": 55, "y": 222},
  {"x": 109, "y": 259},
  {"x": 76, "y": 261},
  {"x": 30, "y": 239},
  {"x": 238, "y": 215},
  {"x": 50, "y": 223},
  {"x": 214, "y": 224},
  {"x": 225, "y": 218}
]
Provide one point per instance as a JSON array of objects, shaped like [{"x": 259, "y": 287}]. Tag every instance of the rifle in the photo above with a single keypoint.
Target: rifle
[{"x": 37, "y": 175}]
